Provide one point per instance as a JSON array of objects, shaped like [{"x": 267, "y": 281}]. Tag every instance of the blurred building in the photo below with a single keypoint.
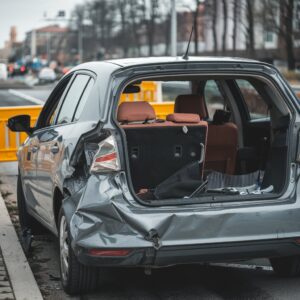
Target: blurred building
[
  {"x": 12, "y": 48},
  {"x": 52, "y": 43}
]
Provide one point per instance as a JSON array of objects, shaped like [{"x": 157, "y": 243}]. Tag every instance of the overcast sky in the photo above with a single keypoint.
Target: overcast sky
[{"x": 27, "y": 14}]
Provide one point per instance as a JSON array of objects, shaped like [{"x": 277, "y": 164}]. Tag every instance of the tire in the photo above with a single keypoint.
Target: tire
[
  {"x": 27, "y": 222},
  {"x": 76, "y": 278},
  {"x": 286, "y": 266}
]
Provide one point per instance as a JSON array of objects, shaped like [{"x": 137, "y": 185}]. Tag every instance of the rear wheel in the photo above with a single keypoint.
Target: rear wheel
[
  {"x": 76, "y": 278},
  {"x": 286, "y": 266}
]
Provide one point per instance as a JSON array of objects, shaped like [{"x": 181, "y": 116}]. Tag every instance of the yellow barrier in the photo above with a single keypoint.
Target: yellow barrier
[{"x": 10, "y": 141}]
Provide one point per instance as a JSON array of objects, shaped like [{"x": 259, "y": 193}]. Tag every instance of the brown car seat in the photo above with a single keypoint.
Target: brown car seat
[{"x": 222, "y": 139}]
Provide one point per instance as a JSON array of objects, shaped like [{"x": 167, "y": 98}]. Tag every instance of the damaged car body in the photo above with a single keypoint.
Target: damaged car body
[{"x": 214, "y": 181}]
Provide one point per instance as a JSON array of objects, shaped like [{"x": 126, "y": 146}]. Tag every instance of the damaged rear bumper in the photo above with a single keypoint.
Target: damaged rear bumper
[
  {"x": 173, "y": 255},
  {"x": 103, "y": 215}
]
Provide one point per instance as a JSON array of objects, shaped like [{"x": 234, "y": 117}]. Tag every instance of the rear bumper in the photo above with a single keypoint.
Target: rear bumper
[{"x": 173, "y": 255}]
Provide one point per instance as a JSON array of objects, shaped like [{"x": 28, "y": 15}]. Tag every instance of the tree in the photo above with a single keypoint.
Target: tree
[
  {"x": 250, "y": 27},
  {"x": 214, "y": 26},
  {"x": 196, "y": 34},
  {"x": 150, "y": 23},
  {"x": 280, "y": 16},
  {"x": 124, "y": 37},
  {"x": 225, "y": 17},
  {"x": 235, "y": 22},
  {"x": 287, "y": 9}
]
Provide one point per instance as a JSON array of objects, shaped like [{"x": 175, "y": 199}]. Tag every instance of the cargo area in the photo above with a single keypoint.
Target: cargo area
[{"x": 226, "y": 135}]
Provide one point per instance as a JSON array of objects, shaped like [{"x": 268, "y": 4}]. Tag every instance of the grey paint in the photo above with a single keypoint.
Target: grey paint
[{"x": 101, "y": 210}]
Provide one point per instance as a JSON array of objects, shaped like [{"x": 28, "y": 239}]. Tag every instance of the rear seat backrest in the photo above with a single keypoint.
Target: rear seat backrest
[
  {"x": 158, "y": 149},
  {"x": 140, "y": 111},
  {"x": 192, "y": 104},
  {"x": 222, "y": 140}
]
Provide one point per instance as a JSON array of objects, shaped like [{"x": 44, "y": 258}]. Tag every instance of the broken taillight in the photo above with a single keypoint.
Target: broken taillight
[{"x": 107, "y": 158}]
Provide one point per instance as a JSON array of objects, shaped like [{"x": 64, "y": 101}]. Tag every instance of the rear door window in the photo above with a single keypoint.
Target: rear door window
[
  {"x": 83, "y": 99},
  {"x": 72, "y": 98},
  {"x": 255, "y": 104},
  {"x": 213, "y": 98}
]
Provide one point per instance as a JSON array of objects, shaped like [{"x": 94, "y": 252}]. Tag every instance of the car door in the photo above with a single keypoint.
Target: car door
[
  {"x": 56, "y": 143},
  {"x": 31, "y": 148}
]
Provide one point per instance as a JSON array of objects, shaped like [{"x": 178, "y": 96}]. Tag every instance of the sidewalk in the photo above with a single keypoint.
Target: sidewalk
[
  {"x": 16, "y": 278},
  {"x": 5, "y": 286}
]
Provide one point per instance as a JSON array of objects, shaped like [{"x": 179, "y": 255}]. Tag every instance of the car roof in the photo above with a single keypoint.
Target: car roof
[
  {"x": 125, "y": 62},
  {"x": 114, "y": 64}
]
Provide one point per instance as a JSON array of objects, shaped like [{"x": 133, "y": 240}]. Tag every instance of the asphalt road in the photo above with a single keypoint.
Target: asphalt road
[
  {"x": 241, "y": 280},
  {"x": 19, "y": 97}
]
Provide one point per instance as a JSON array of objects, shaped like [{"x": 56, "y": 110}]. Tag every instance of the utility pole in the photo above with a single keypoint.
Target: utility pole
[
  {"x": 33, "y": 43},
  {"x": 80, "y": 43},
  {"x": 173, "y": 28}
]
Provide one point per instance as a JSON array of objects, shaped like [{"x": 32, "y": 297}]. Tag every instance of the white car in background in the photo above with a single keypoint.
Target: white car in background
[
  {"x": 3, "y": 72},
  {"x": 47, "y": 75}
]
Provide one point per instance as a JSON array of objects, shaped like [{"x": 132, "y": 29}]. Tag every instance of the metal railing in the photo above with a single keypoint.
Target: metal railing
[{"x": 10, "y": 141}]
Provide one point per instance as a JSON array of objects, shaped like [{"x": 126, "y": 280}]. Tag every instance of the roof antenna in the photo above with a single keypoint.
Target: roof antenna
[{"x": 186, "y": 54}]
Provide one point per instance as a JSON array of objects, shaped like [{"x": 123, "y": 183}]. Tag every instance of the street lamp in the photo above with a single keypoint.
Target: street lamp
[{"x": 84, "y": 22}]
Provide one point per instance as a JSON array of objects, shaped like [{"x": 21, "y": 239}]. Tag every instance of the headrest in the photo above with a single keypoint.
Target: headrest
[
  {"x": 139, "y": 111},
  {"x": 191, "y": 104},
  {"x": 221, "y": 117},
  {"x": 183, "y": 118}
]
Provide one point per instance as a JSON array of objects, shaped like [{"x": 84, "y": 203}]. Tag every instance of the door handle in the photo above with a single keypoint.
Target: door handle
[
  {"x": 34, "y": 149},
  {"x": 54, "y": 149}
]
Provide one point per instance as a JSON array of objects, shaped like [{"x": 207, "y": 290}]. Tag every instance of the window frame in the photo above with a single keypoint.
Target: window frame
[
  {"x": 62, "y": 100},
  {"x": 47, "y": 110}
]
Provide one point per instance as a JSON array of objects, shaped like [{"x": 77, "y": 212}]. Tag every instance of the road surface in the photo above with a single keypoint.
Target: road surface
[
  {"x": 19, "y": 97},
  {"x": 239, "y": 280}
]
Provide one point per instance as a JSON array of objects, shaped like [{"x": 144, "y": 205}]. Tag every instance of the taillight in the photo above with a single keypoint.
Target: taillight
[{"x": 107, "y": 157}]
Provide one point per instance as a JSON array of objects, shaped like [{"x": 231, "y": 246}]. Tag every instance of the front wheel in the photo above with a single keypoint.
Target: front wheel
[
  {"x": 76, "y": 278},
  {"x": 286, "y": 266}
]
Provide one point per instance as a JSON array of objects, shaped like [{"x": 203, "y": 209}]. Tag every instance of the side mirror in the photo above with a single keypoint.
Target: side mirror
[{"x": 20, "y": 123}]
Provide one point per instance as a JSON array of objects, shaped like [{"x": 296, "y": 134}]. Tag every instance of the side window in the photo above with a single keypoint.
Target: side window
[
  {"x": 83, "y": 99},
  {"x": 72, "y": 98},
  {"x": 213, "y": 98},
  {"x": 257, "y": 107},
  {"x": 51, "y": 107}
]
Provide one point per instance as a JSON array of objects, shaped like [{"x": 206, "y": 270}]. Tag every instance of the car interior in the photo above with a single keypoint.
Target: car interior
[{"x": 227, "y": 135}]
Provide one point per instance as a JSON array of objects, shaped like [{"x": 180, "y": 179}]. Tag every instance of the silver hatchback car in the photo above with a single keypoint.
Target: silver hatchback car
[{"x": 214, "y": 180}]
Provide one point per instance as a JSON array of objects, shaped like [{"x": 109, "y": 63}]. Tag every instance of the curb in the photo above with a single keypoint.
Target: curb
[{"x": 21, "y": 277}]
